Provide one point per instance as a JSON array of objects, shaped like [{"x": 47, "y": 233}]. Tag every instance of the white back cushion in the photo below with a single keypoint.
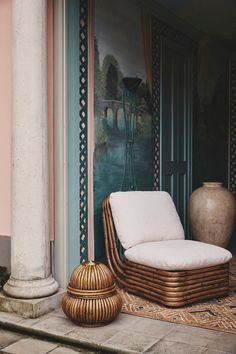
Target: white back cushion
[{"x": 145, "y": 217}]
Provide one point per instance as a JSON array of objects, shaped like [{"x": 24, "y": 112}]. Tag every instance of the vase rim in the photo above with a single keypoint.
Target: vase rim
[{"x": 212, "y": 184}]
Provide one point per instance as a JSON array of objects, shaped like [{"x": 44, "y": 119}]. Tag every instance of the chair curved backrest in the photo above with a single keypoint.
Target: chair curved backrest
[{"x": 145, "y": 217}]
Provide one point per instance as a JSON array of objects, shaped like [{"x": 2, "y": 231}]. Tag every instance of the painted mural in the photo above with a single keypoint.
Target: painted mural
[{"x": 118, "y": 54}]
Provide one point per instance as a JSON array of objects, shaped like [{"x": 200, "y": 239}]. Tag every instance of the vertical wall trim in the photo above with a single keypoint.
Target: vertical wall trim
[
  {"x": 232, "y": 127},
  {"x": 61, "y": 141},
  {"x": 73, "y": 134},
  {"x": 83, "y": 146},
  {"x": 50, "y": 117},
  {"x": 156, "y": 97},
  {"x": 90, "y": 128}
]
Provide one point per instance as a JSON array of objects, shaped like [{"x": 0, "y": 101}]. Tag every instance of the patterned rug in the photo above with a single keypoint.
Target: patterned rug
[{"x": 218, "y": 314}]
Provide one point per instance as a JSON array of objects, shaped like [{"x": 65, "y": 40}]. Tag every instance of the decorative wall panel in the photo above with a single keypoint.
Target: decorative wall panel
[
  {"x": 156, "y": 65},
  {"x": 83, "y": 115},
  {"x": 119, "y": 53}
]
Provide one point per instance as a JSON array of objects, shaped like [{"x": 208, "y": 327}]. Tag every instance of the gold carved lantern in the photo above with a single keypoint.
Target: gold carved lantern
[{"x": 91, "y": 299}]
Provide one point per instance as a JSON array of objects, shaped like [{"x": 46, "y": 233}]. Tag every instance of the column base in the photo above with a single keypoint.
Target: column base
[
  {"x": 30, "y": 289},
  {"x": 33, "y": 308}
]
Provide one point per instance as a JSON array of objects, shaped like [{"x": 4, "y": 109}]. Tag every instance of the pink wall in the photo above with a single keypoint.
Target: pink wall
[{"x": 5, "y": 115}]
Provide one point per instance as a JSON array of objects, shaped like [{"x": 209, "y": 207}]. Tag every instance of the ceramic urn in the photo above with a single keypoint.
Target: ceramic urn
[
  {"x": 211, "y": 211},
  {"x": 91, "y": 299}
]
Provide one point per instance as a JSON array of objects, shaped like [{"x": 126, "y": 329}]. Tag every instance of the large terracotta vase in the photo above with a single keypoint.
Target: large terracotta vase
[{"x": 211, "y": 212}]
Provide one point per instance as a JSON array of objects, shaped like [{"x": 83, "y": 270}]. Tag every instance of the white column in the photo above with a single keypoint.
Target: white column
[{"x": 30, "y": 254}]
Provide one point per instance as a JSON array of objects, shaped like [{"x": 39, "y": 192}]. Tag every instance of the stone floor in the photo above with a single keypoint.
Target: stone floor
[
  {"x": 53, "y": 333},
  {"x": 16, "y": 343}
]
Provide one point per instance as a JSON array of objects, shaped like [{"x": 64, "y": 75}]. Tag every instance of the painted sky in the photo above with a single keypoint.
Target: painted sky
[{"x": 118, "y": 32}]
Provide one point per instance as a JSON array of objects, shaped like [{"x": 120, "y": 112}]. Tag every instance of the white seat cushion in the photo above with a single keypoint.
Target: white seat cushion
[
  {"x": 178, "y": 255},
  {"x": 144, "y": 217}
]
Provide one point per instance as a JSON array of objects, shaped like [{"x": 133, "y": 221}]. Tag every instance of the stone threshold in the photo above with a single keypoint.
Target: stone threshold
[
  {"x": 22, "y": 325},
  {"x": 127, "y": 334},
  {"x": 52, "y": 337}
]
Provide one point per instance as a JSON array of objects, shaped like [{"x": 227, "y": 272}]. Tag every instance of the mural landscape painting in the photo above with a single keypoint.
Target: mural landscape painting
[{"x": 111, "y": 65}]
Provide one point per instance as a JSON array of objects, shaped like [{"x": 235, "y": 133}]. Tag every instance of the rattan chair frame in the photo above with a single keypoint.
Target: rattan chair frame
[{"x": 169, "y": 288}]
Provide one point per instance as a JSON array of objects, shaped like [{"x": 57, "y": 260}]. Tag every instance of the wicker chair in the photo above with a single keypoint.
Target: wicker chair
[{"x": 170, "y": 284}]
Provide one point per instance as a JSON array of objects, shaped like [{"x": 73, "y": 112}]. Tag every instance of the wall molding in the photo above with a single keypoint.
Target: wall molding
[
  {"x": 61, "y": 142},
  {"x": 73, "y": 135},
  {"x": 156, "y": 97},
  {"x": 232, "y": 126},
  {"x": 83, "y": 114},
  {"x": 91, "y": 56},
  {"x": 66, "y": 235}
]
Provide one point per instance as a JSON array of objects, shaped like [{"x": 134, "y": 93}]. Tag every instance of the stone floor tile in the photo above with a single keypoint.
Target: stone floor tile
[
  {"x": 96, "y": 335},
  {"x": 55, "y": 325},
  {"x": 155, "y": 328},
  {"x": 29, "y": 322},
  {"x": 65, "y": 350},
  {"x": 192, "y": 335},
  {"x": 131, "y": 341},
  {"x": 58, "y": 312},
  {"x": 9, "y": 317},
  {"x": 224, "y": 342},
  {"x": 7, "y": 338},
  {"x": 213, "y": 351},
  {"x": 30, "y": 346},
  {"x": 123, "y": 321},
  {"x": 101, "y": 334},
  {"x": 167, "y": 347}
]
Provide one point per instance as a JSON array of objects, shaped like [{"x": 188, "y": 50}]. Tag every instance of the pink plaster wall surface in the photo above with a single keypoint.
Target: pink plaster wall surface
[{"x": 5, "y": 116}]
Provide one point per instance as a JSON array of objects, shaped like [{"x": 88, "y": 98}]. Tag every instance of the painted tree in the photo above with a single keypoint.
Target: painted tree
[{"x": 100, "y": 136}]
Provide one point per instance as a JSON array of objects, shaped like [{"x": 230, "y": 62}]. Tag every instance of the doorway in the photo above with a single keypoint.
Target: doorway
[
  {"x": 174, "y": 74},
  {"x": 176, "y": 123}
]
